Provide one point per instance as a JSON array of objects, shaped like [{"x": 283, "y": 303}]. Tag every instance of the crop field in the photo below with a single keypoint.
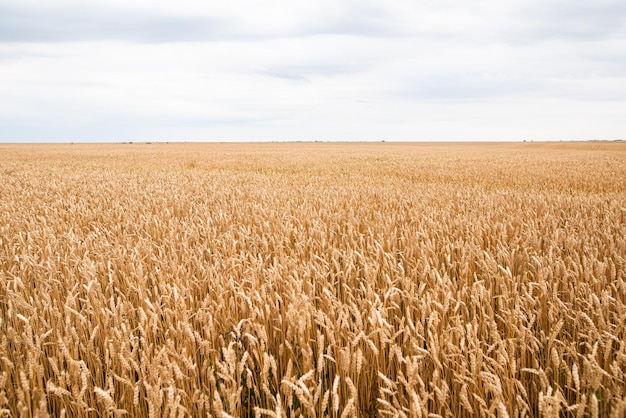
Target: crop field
[{"x": 313, "y": 279}]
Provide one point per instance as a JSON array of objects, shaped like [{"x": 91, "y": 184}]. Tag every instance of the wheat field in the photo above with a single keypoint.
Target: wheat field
[{"x": 313, "y": 279}]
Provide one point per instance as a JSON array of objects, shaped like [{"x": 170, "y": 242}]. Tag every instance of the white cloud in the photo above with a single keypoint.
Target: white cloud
[{"x": 304, "y": 70}]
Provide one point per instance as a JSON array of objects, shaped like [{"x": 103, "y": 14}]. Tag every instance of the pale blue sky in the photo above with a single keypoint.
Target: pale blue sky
[{"x": 139, "y": 70}]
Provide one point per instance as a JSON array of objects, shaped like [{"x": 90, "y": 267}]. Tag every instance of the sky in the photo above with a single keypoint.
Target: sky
[{"x": 312, "y": 70}]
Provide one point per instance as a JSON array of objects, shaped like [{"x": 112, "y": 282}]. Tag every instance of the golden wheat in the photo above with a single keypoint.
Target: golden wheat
[{"x": 336, "y": 280}]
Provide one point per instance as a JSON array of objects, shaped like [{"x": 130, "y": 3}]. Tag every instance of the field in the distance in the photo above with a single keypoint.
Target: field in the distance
[{"x": 313, "y": 279}]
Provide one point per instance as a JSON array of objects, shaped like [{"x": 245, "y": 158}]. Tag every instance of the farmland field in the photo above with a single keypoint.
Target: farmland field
[{"x": 313, "y": 279}]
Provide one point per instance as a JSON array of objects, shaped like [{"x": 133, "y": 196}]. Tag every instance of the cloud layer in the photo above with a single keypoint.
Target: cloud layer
[{"x": 303, "y": 70}]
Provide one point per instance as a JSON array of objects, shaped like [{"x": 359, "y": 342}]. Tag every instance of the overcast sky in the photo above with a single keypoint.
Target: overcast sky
[{"x": 236, "y": 70}]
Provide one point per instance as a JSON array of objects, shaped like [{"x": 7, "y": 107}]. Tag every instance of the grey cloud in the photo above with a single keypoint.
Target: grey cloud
[
  {"x": 568, "y": 20},
  {"x": 16, "y": 55},
  {"x": 215, "y": 121},
  {"x": 23, "y": 24},
  {"x": 478, "y": 88},
  {"x": 119, "y": 127},
  {"x": 611, "y": 64},
  {"x": 464, "y": 87},
  {"x": 304, "y": 73},
  {"x": 286, "y": 75},
  {"x": 364, "y": 20}
]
